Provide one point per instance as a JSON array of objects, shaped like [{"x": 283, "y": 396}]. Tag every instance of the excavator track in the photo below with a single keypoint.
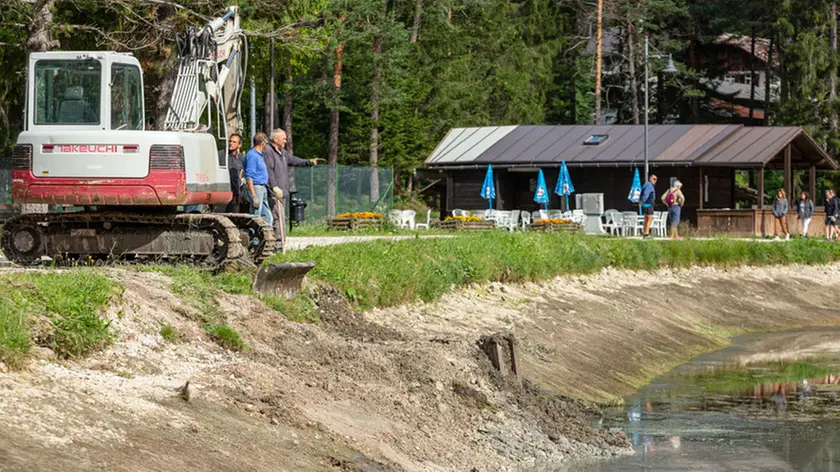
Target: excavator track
[
  {"x": 205, "y": 239},
  {"x": 256, "y": 234}
]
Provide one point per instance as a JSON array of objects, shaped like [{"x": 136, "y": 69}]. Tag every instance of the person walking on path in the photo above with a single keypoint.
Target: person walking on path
[
  {"x": 256, "y": 177},
  {"x": 647, "y": 201},
  {"x": 780, "y": 210},
  {"x": 830, "y": 214},
  {"x": 278, "y": 161},
  {"x": 674, "y": 200},
  {"x": 804, "y": 211}
]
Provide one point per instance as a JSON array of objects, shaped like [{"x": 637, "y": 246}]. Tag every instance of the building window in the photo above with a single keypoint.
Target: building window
[
  {"x": 748, "y": 79},
  {"x": 729, "y": 78},
  {"x": 596, "y": 139}
]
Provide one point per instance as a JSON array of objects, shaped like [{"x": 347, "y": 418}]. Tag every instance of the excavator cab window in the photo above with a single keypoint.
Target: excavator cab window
[
  {"x": 126, "y": 97},
  {"x": 67, "y": 92}
]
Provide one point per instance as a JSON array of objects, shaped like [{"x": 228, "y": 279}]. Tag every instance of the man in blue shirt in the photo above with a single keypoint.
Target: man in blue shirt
[
  {"x": 256, "y": 177},
  {"x": 647, "y": 201}
]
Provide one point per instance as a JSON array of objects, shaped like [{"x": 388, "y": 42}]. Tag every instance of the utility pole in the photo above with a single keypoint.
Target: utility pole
[
  {"x": 253, "y": 122},
  {"x": 599, "y": 39},
  {"x": 273, "y": 100}
]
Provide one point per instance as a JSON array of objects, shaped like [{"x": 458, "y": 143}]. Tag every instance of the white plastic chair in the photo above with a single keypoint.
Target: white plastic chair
[
  {"x": 555, "y": 214},
  {"x": 629, "y": 223},
  {"x": 514, "y": 219},
  {"x": 407, "y": 219},
  {"x": 459, "y": 212},
  {"x": 526, "y": 220},
  {"x": 539, "y": 215},
  {"x": 660, "y": 223},
  {"x": 394, "y": 216},
  {"x": 427, "y": 223},
  {"x": 615, "y": 222}
]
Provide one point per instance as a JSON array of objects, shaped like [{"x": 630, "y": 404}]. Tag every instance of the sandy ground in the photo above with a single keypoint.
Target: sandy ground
[{"x": 405, "y": 388}]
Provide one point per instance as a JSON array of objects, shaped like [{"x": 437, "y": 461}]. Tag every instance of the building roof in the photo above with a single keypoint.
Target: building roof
[
  {"x": 736, "y": 91},
  {"x": 546, "y": 146},
  {"x": 762, "y": 45}
]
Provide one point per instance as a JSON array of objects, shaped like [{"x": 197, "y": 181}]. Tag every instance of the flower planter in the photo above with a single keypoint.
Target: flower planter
[
  {"x": 555, "y": 227},
  {"x": 350, "y": 224},
  {"x": 459, "y": 225}
]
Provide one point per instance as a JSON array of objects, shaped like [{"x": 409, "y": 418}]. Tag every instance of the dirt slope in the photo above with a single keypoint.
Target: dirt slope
[
  {"x": 399, "y": 389},
  {"x": 346, "y": 395},
  {"x": 600, "y": 337}
]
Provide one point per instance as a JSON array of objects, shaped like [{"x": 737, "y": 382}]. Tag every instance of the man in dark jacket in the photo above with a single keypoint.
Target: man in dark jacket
[
  {"x": 235, "y": 161},
  {"x": 278, "y": 160}
]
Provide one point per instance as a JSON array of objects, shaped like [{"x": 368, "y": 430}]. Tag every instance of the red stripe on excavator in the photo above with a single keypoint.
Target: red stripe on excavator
[{"x": 161, "y": 187}]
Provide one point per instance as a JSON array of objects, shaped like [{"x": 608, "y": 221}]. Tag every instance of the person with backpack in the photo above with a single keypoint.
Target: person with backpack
[
  {"x": 674, "y": 200},
  {"x": 780, "y": 210},
  {"x": 804, "y": 210}
]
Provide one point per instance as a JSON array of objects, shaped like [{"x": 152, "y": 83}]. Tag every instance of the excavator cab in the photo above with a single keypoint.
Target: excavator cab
[{"x": 85, "y": 90}]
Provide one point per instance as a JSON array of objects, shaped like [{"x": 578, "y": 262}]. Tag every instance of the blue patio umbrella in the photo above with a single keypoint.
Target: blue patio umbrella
[
  {"x": 541, "y": 193},
  {"x": 564, "y": 185},
  {"x": 636, "y": 190},
  {"x": 488, "y": 189}
]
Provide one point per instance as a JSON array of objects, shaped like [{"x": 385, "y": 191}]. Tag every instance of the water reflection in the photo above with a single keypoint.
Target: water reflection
[{"x": 678, "y": 423}]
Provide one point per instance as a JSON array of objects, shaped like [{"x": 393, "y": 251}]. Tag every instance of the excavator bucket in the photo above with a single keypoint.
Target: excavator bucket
[{"x": 281, "y": 279}]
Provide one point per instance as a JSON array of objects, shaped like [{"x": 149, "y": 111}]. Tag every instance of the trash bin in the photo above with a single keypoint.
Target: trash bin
[{"x": 298, "y": 211}]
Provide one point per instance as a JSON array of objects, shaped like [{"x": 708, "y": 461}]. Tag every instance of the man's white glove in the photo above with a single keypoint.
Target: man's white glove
[{"x": 278, "y": 192}]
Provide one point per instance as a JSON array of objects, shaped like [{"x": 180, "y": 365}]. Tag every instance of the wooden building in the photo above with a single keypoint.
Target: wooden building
[{"x": 602, "y": 159}]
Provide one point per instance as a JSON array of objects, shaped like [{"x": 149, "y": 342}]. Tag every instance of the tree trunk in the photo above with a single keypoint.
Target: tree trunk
[
  {"x": 332, "y": 158},
  {"x": 598, "y": 59},
  {"x": 267, "y": 113},
  {"x": 752, "y": 76},
  {"x": 418, "y": 12},
  {"x": 374, "y": 118},
  {"x": 572, "y": 100},
  {"x": 661, "y": 112},
  {"x": 692, "y": 58},
  {"x": 631, "y": 59},
  {"x": 768, "y": 76},
  {"x": 832, "y": 74},
  {"x": 287, "y": 109},
  {"x": 39, "y": 39}
]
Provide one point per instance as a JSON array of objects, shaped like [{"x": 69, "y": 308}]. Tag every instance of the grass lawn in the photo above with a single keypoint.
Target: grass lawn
[{"x": 387, "y": 273}]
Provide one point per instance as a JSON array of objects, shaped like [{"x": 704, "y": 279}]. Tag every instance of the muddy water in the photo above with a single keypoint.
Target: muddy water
[{"x": 768, "y": 402}]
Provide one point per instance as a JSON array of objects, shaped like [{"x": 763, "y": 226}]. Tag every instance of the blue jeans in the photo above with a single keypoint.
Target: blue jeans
[{"x": 259, "y": 205}]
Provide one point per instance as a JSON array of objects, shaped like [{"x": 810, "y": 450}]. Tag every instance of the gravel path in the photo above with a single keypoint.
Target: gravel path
[{"x": 296, "y": 243}]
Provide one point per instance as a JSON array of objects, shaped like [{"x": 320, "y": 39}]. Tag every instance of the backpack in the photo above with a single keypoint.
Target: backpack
[{"x": 670, "y": 199}]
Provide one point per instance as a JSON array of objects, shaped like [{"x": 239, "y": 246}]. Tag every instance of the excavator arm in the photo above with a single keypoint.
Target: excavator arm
[{"x": 211, "y": 77}]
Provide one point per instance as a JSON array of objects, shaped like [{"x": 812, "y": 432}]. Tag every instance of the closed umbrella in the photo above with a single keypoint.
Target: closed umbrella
[
  {"x": 541, "y": 193},
  {"x": 636, "y": 190},
  {"x": 488, "y": 189},
  {"x": 564, "y": 185}
]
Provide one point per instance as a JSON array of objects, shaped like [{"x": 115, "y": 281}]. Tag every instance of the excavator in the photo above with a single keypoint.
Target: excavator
[{"x": 85, "y": 144}]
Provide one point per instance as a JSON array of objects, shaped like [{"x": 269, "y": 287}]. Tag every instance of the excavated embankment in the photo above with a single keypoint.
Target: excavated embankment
[{"x": 405, "y": 388}]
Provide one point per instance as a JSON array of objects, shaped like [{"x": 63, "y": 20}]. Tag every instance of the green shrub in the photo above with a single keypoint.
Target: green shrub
[
  {"x": 169, "y": 333},
  {"x": 225, "y": 336}
]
